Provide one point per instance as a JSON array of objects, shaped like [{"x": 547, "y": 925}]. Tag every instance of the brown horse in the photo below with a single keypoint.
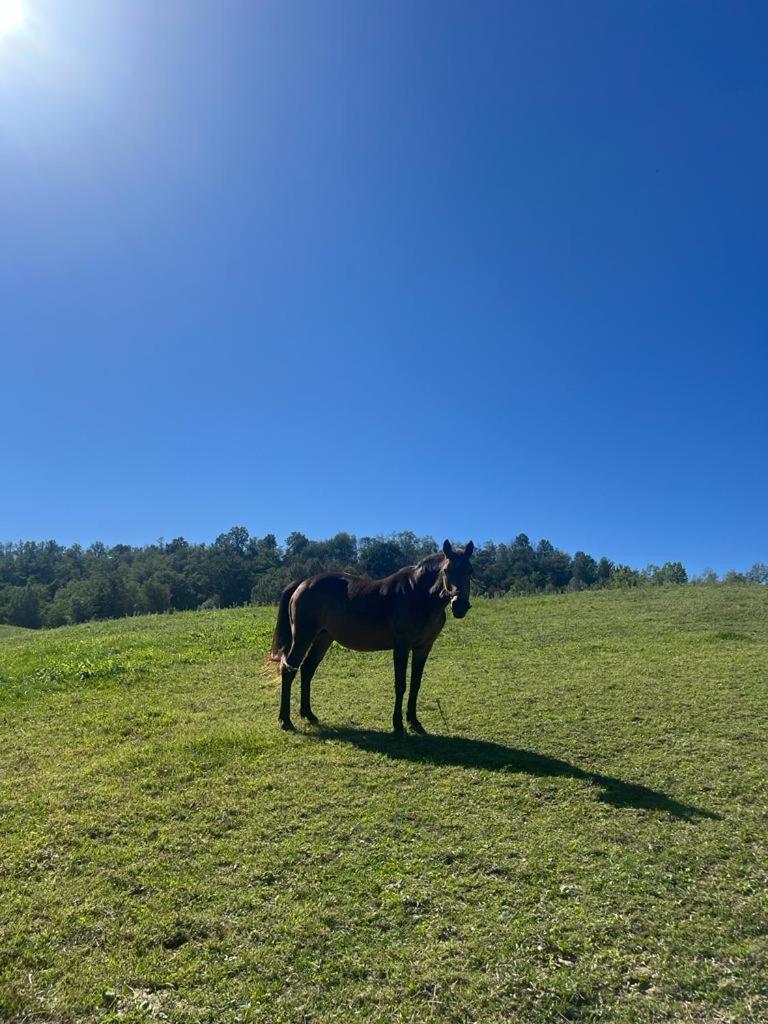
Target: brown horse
[{"x": 403, "y": 612}]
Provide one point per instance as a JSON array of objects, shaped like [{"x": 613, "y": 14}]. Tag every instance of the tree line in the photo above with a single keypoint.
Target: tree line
[{"x": 44, "y": 584}]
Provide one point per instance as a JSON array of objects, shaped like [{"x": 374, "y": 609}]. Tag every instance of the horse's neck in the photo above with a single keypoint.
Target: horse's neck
[{"x": 426, "y": 584}]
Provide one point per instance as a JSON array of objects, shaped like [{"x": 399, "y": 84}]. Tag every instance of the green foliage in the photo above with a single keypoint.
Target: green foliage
[
  {"x": 605, "y": 568},
  {"x": 20, "y": 606},
  {"x": 670, "y": 572},
  {"x": 738, "y": 578},
  {"x": 758, "y": 574},
  {"x": 379, "y": 557},
  {"x": 50, "y": 585},
  {"x": 582, "y": 838},
  {"x": 626, "y": 577},
  {"x": 584, "y": 570},
  {"x": 708, "y": 576}
]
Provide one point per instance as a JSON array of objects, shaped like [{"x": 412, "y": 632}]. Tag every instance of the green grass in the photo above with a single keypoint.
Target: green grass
[
  {"x": 6, "y": 631},
  {"x": 583, "y": 838}
]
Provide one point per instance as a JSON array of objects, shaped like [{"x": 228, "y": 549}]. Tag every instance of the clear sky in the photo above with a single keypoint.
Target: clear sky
[{"x": 469, "y": 269}]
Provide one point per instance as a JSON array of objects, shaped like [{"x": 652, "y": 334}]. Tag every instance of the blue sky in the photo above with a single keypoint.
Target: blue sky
[{"x": 466, "y": 269}]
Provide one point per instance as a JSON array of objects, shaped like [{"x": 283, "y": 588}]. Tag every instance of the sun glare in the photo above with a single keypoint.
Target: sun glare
[{"x": 11, "y": 15}]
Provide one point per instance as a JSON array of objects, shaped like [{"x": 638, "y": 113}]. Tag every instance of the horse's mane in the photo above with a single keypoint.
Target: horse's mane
[
  {"x": 421, "y": 574},
  {"x": 433, "y": 561},
  {"x": 427, "y": 569}
]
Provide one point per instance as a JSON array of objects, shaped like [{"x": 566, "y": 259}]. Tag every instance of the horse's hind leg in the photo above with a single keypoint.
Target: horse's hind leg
[
  {"x": 289, "y": 666},
  {"x": 317, "y": 652}
]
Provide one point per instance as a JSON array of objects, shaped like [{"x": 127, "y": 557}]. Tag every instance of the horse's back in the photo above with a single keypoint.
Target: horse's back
[{"x": 356, "y": 612}]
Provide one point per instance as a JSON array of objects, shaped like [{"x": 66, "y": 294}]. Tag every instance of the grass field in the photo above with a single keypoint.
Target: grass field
[{"x": 583, "y": 837}]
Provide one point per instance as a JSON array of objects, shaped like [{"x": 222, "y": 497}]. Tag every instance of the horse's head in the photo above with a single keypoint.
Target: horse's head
[{"x": 455, "y": 574}]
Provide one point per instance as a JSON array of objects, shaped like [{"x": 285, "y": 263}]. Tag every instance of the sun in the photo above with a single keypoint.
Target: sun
[{"x": 11, "y": 16}]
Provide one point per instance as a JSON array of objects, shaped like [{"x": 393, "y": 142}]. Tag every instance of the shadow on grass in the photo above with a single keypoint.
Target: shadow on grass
[{"x": 467, "y": 753}]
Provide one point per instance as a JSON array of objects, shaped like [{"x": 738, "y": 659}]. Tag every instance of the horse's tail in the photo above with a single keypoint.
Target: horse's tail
[{"x": 282, "y": 638}]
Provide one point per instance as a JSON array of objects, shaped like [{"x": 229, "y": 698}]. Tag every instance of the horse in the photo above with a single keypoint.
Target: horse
[{"x": 403, "y": 613}]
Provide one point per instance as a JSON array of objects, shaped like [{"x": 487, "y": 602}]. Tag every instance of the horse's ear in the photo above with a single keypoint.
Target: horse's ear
[
  {"x": 447, "y": 549},
  {"x": 469, "y": 549}
]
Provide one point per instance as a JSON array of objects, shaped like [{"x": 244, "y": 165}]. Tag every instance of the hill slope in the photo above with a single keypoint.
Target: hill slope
[{"x": 583, "y": 838}]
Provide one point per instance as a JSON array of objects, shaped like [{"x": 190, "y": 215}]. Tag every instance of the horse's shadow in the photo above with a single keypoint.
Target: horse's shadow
[{"x": 460, "y": 752}]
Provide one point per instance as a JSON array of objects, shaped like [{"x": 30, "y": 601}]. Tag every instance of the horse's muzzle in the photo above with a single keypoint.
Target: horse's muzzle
[{"x": 459, "y": 607}]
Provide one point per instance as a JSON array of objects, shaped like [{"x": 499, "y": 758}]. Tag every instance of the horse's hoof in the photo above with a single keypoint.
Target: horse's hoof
[
  {"x": 309, "y": 717},
  {"x": 398, "y": 730},
  {"x": 416, "y": 726},
  {"x": 287, "y": 725}
]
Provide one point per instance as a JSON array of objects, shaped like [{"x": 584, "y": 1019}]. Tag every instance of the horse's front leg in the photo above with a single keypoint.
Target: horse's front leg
[
  {"x": 401, "y": 669},
  {"x": 420, "y": 655}
]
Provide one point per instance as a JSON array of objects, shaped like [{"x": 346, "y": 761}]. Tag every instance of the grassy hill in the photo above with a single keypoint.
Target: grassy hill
[
  {"x": 6, "y": 631},
  {"x": 583, "y": 837}
]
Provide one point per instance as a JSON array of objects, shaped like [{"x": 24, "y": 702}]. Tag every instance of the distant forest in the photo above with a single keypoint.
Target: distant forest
[{"x": 43, "y": 584}]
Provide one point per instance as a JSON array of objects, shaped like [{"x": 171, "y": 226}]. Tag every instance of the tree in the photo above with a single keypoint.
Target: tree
[
  {"x": 379, "y": 557},
  {"x": 235, "y": 539},
  {"x": 732, "y": 576},
  {"x": 670, "y": 572},
  {"x": 605, "y": 569},
  {"x": 484, "y": 569},
  {"x": 707, "y": 576},
  {"x": 553, "y": 567},
  {"x": 758, "y": 573},
  {"x": 46, "y": 584},
  {"x": 295, "y": 545},
  {"x": 268, "y": 587},
  {"x": 626, "y": 576},
  {"x": 584, "y": 569},
  {"x": 58, "y": 612},
  {"x": 413, "y": 548},
  {"x": 522, "y": 562},
  {"x": 21, "y": 606},
  {"x": 177, "y": 546},
  {"x": 157, "y": 593}
]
